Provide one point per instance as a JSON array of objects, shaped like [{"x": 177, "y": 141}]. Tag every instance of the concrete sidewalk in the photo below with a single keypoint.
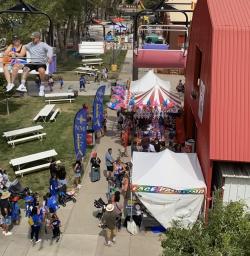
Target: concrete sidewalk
[{"x": 81, "y": 234}]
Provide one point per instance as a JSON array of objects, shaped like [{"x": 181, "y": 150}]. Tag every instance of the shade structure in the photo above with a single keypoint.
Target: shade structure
[
  {"x": 152, "y": 91},
  {"x": 170, "y": 185},
  {"x": 151, "y": 58},
  {"x": 147, "y": 82},
  {"x": 156, "y": 96}
]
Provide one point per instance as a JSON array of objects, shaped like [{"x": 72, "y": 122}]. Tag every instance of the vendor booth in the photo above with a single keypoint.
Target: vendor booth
[{"x": 170, "y": 185}]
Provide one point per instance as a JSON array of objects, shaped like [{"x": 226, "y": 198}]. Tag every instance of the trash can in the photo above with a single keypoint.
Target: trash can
[
  {"x": 113, "y": 67},
  {"x": 90, "y": 137},
  {"x": 190, "y": 146}
]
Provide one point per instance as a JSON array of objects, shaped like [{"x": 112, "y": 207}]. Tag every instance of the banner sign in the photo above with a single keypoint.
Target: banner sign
[
  {"x": 98, "y": 108},
  {"x": 165, "y": 190},
  {"x": 80, "y": 133}
]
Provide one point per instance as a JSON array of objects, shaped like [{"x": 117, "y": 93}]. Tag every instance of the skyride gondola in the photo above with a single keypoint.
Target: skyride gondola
[
  {"x": 170, "y": 51},
  {"x": 153, "y": 50}
]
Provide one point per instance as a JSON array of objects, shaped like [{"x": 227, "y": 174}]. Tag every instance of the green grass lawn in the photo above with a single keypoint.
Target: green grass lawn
[{"x": 59, "y": 137}]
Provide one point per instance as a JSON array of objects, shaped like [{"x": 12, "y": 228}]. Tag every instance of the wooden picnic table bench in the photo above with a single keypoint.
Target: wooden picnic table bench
[
  {"x": 19, "y": 163},
  {"x": 44, "y": 112},
  {"x": 95, "y": 60},
  {"x": 59, "y": 97},
  {"x": 14, "y": 137}
]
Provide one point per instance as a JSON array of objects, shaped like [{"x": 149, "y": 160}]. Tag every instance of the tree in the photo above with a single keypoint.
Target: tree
[{"x": 227, "y": 233}]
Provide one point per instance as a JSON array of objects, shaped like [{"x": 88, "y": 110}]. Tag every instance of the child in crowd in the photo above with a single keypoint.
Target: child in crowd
[
  {"x": 61, "y": 82},
  {"x": 55, "y": 225},
  {"x": 78, "y": 173},
  {"x": 15, "y": 210},
  {"x": 35, "y": 223}
]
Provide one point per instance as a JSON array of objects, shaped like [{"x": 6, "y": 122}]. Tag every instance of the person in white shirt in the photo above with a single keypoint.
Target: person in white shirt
[{"x": 40, "y": 54}]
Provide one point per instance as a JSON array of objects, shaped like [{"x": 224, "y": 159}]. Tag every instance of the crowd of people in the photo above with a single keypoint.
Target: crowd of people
[
  {"x": 151, "y": 130},
  {"x": 40, "y": 211},
  {"x": 117, "y": 175}
]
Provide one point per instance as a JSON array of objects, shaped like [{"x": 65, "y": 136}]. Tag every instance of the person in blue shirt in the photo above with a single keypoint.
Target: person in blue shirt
[
  {"x": 53, "y": 185},
  {"x": 82, "y": 82},
  {"x": 61, "y": 82},
  {"x": 15, "y": 211},
  {"x": 29, "y": 202},
  {"x": 36, "y": 225},
  {"x": 109, "y": 162},
  {"x": 52, "y": 204},
  {"x": 109, "y": 37}
]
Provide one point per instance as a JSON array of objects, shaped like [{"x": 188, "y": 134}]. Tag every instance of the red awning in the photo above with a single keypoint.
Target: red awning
[{"x": 160, "y": 59}]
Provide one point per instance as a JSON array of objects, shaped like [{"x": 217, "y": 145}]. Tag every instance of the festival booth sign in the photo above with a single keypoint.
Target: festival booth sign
[
  {"x": 80, "y": 133},
  {"x": 98, "y": 115},
  {"x": 170, "y": 185}
]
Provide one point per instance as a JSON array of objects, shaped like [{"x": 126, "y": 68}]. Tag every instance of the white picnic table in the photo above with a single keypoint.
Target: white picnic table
[
  {"x": 45, "y": 112},
  {"x": 92, "y": 60},
  {"x": 88, "y": 69},
  {"x": 21, "y": 161},
  {"x": 59, "y": 94},
  {"x": 10, "y": 135}
]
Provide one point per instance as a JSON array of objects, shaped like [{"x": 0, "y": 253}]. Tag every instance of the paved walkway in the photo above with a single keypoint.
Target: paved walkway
[{"x": 81, "y": 234}]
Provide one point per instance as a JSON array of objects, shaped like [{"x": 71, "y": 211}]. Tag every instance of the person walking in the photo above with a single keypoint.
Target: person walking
[
  {"x": 5, "y": 209},
  {"x": 51, "y": 83},
  {"x": 109, "y": 162},
  {"x": 118, "y": 209},
  {"x": 78, "y": 173},
  {"x": 105, "y": 73},
  {"x": 55, "y": 225},
  {"x": 82, "y": 82},
  {"x": 61, "y": 82},
  {"x": 35, "y": 223},
  {"x": 95, "y": 167},
  {"x": 40, "y": 54},
  {"x": 109, "y": 222}
]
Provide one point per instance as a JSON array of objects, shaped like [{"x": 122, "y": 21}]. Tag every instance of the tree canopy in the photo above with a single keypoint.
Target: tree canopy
[
  {"x": 69, "y": 19},
  {"x": 227, "y": 233}
]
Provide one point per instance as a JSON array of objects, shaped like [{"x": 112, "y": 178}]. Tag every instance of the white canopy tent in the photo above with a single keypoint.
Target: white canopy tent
[
  {"x": 170, "y": 185},
  {"x": 147, "y": 82}
]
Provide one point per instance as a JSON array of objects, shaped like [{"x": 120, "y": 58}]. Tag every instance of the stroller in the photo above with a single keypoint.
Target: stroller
[
  {"x": 101, "y": 206},
  {"x": 16, "y": 189},
  {"x": 65, "y": 196}
]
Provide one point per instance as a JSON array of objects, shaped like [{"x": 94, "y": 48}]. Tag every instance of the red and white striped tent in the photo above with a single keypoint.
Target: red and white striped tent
[{"x": 152, "y": 91}]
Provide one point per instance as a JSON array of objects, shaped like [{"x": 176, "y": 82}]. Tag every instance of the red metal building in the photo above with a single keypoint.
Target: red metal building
[{"x": 217, "y": 92}]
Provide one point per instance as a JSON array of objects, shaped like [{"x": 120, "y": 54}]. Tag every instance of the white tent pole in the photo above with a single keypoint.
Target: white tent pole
[{"x": 131, "y": 194}]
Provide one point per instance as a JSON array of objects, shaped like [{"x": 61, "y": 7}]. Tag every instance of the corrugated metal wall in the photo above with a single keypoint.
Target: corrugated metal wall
[
  {"x": 201, "y": 37},
  {"x": 230, "y": 98}
]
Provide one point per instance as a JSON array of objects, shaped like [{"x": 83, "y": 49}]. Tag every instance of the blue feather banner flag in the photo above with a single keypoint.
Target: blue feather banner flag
[
  {"x": 80, "y": 133},
  {"x": 98, "y": 114}
]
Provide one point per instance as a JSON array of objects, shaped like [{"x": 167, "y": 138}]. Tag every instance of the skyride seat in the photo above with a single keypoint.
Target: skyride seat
[
  {"x": 156, "y": 55},
  {"x": 50, "y": 69}
]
